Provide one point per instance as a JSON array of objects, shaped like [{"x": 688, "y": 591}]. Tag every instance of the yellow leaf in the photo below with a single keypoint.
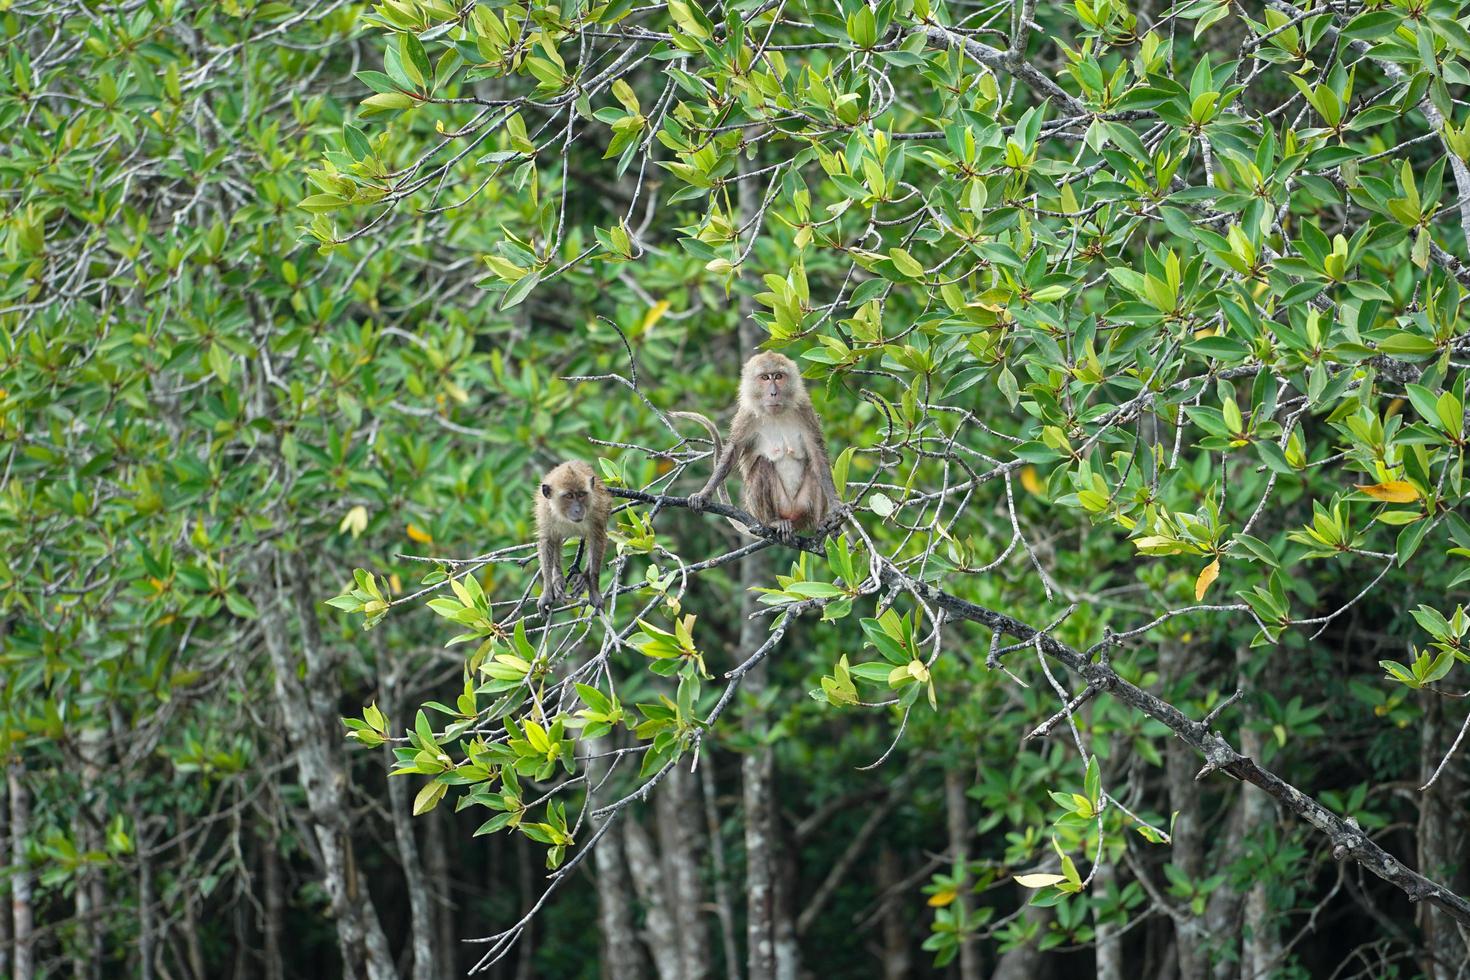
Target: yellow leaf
[
  {"x": 1393, "y": 491},
  {"x": 940, "y": 899},
  {"x": 1207, "y": 576},
  {"x": 1031, "y": 481},
  {"x": 422, "y": 537},
  {"x": 1038, "y": 880},
  {"x": 655, "y": 313},
  {"x": 356, "y": 521}
]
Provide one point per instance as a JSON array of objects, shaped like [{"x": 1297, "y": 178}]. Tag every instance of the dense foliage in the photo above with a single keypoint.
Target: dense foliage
[{"x": 1136, "y": 333}]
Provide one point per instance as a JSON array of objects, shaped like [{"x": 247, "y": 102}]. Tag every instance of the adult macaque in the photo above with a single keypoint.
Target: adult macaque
[
  {"x": 572, "y": 503},
  {"x": 776, "y": 440}
]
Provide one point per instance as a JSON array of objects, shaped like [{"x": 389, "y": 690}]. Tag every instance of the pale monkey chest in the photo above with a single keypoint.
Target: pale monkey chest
[{"x": 783, "y": 445}]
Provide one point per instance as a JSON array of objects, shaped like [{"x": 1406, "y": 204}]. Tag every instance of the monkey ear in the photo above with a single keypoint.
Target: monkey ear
[{"x": 546, "y": 491}]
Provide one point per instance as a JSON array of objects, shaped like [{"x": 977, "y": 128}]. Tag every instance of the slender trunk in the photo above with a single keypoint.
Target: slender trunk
[
  {"x": 1109, "y": 940},
  {"x": 757, "y": 771},
  {"x": 1184, "y": 799},
  {"x": 527, "y": 876},
  {"x": 305, "y": 705},
  {"x": 193, "y": 949},
  {"x": 661, "y": 937},
  {"x": 680, "y": 845},
  {"x": 20, "y": 874},
  {"x": 274, "y": 911},
  {"x": 788, "y": 935},
  {"x": 420, "y": 903},
  {"x": 1024, "y": 962},
  {"x": 621, "y": 958},
  {"x": 724, "y": 908},
  {"x": 896, "y": 956},
  {"x": 1260, "y": 947},
  {"x": 89, "y": 898},
  {"x": 1441, "y": 841},
  {"x": 957, "y": 818},
  {"x": 440, "y": 878},
  {"x": 6, "y": 939}
]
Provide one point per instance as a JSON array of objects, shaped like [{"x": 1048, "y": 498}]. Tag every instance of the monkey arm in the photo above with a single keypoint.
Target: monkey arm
[
  {"x": 549, "y": 551},
  {"x": 717, "y": 478},
  {"x": 596, "y": 545}
]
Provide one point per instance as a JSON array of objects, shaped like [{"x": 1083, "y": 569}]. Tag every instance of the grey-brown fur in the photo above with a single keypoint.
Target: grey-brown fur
[
  {"x": 776, "y": 442},
  {"x": 571, "y": 503}
]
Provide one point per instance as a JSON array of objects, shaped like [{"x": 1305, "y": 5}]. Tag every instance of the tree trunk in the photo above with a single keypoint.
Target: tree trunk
[
  {"x": 1441, "y": 840},
  {"x": 420, "y": 902},
  {"x": 525, "y": 871},
  {"x": 275, "y": 908},
  {"x": 1109, "y": 941},
  {"x": 1260, "y": 947},
  {"x": 22, "y": 916},
  {"x": 757, "y": 771},
  {"x": 1181, "y": 763},
  {"x": 896, "y": 955},
  {"x": 90, "y": 897},
  {"x": 305, "y": 708},
  {"x": 788, "y": 933},
  {"x": 724, "y": 908},
  {"x": 193, "y": 948},
  {"x": 1024, "y": 962},
  {"x": 680, "y": 847},
  {"x": 661, "y": 936},
  {"x": 446, "y": 955},
  {"x": 621, "y": 958},
  {"x": 6, "y": 939},
  {"x": 958, "y": 820}
]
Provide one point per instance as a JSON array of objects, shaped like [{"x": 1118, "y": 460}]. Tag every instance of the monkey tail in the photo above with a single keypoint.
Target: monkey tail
[{"x": 721, "y": 494}]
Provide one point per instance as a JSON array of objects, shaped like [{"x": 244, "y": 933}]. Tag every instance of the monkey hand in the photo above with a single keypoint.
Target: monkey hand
[
  {"x": 698, "y": 502},
  {"x": 785, "y": 531},
  {"x": 550, "y": 596}
]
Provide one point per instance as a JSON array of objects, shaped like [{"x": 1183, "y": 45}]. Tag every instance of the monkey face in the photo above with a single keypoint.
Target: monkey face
[
  {"x": 772, "y": 382},
  {"x": 573, "y": 505}
]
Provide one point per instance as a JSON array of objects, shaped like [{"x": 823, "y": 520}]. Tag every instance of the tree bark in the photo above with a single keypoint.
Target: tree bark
[
  {"x": 440, "y": 879},
  {"x": 89, "y": 897},
  {"x": 896, "y": 956},
  {"x": 1441, "y": 840},
  {"x": 621, "y": 957},
  {"x": 788, "y": 935},
  {"x": 420, "y": 902},
  {"x": 1109, "y": 941},
  {"x": 1024, "y": 962},
  {"x": 661, "y": 933},
  {"x": 22, "y": 916},
  {"x": 305, "y": 706},
  {"x": 957, "y": 818},
  {"x": 1260, "y": 946},
  {"x": 6, "y": 939},
  {"x": 275, "y": 907},
  {"x": 724, "y": 908},
  {"x": 680, "y": 847},
  {"x": 1184, "y": 798},
  {"x": 757, "y": 771}
]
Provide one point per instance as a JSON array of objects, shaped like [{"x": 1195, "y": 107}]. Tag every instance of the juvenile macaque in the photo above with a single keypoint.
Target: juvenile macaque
[
  {"x": 572, "y": 503},
  {"x": 776, "y": 440}
]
